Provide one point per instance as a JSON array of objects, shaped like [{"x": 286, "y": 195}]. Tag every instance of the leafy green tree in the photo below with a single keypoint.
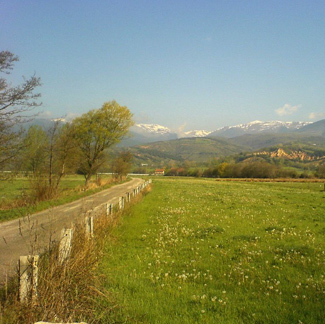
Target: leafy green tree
[
  {"x": 122, "y": 164},
  {"x": 98, "y": 130},
  {"x": 222, "y": 168},
  {"x": 15, "y": 102},
  {"x": 321, "y": 171}
]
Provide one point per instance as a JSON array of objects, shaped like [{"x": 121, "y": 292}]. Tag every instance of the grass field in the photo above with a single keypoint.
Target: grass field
[{"x": 202, "y": 251}]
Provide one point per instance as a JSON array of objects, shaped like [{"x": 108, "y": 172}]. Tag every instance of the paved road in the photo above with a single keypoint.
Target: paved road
[{"x": 30, "y": 235}]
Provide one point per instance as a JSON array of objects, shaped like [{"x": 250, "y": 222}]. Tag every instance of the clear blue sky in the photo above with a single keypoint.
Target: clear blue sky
[{"x": 190, "y": 64}]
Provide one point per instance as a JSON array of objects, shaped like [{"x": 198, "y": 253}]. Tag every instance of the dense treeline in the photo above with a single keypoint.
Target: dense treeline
[{"x": 254, "y": 169}]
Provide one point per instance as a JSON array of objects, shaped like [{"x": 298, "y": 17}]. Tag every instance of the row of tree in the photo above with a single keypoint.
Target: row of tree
[
  {"x": 80, "y": 145},
  {"x": 248, "y": 169}
]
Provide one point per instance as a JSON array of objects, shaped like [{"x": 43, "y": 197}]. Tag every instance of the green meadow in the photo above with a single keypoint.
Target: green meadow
[{"x": 206, "y": 251}]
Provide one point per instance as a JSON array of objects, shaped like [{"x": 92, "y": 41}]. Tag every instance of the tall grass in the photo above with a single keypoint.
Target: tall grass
[{"x": 201, "y": 251}]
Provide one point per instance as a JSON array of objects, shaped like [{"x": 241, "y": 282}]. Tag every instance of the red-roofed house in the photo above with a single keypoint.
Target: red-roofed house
[{"x": 159, "y": 172}]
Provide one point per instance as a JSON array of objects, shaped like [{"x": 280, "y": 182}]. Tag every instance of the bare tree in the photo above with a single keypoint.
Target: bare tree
[
  {"x": 122, "y": 165},
  {"x": 63, "y": 153},
  {"x": 49, "y": 154},
  {"x": 15, "y": 104}
]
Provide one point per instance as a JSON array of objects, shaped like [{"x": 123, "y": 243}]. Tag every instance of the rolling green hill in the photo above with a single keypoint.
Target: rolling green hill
[
  {"x": 259, "y": 141},
  {"x": 191, "y": 149},
  {"x": 290, "y": 147}
]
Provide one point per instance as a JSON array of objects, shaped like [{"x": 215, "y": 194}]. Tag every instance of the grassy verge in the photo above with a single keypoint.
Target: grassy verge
[
  {"x": 14, "y": 193},
  {"x": 202, "y": 251},
  {"x": 67, "y": 291}
]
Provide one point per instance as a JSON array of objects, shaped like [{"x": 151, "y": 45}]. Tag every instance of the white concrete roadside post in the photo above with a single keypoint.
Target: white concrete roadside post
[
  {"x": 65, "y": 244},
  {"x": 89, "y": 222},
  {"x": 28, "y": 278},
  {"x": 109, "y": 209},
  {"x": 121, "y": 202}
]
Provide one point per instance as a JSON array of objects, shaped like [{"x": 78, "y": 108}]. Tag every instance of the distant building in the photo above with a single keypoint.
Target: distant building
[{"x": 159, "y": 172}]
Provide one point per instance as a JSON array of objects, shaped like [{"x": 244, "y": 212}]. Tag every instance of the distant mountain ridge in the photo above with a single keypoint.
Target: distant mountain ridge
[
  {"x": 196, "y": 133},
  {"x": 148, "y": 133},
  {"x": 302, "y": 140},
  {"x": 259, "y": 127},
  {"x": 152, "y": 128},
  {"x": 317, "y": 128}
]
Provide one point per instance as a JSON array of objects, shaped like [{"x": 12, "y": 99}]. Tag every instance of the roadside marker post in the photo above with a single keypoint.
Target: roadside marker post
[
  {"x": 89, "y": 222},
  {"x": 28, "y": 278},
  {"x": 121, "y": 202},
  {"x": 65, "y": 244},
  {"x": 109, "y": 209}
]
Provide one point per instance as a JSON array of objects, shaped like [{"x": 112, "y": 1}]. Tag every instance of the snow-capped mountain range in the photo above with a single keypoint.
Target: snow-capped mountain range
[
  {"x": 152, "y": 128},
  {"x": 196, "y": 133},
  {"x": 147, "y": 133},
  {"x": 156, "y": 129},
  {"x": 270, "y": 125},
  {"x": 257, "y": 127},
  {"x": 253, "y": 127}
]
